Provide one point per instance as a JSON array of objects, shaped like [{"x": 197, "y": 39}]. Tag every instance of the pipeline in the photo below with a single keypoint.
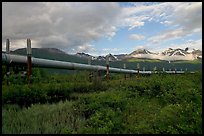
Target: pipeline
[{"x": 45, "y": 63}]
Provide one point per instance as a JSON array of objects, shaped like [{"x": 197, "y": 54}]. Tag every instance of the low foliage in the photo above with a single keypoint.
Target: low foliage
[{"x": 156, "y": 104}]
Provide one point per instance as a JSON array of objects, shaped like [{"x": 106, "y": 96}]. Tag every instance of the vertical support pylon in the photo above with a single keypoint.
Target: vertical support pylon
[
  {"x": 138, "y": 70},
  {"x": 7, "y": 51},
  {"x": 124, "y": 66},
  {"x": 7, "y": 46},
  {"x": 90, "y": 73},
  {"x": 29, "y": 63},
  {"x": 98, "y": 75},
  {"x": 107, "y": 67}
]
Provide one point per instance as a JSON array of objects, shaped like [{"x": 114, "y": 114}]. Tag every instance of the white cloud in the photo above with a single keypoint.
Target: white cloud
[
  {"x": 188, "y": 19},
  {"x": 184, "y": 18},
  {"x": 106, "y": 51},
  {"x": 66, "y": 26},
  {"x": 166, "y": 35},
  {"x": 140, "y": 47},
  {"x": 192, "y": 44},
  {"x": 136, "y": 37},
  {"x": 73, "y": 26},
  {"x": 85, "y": 48}
]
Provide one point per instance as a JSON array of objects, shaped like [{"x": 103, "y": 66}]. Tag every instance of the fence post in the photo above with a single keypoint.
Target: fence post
[{"x": 29, "y": 63}]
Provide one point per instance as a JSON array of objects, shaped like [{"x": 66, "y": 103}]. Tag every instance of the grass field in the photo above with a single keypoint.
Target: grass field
[
  {"x": 71, "y": 104},
  {"x": 143, "y": 60}
]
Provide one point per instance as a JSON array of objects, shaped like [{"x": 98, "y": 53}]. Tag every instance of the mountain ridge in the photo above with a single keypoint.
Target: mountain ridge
[{"x": 167, "y": 55}]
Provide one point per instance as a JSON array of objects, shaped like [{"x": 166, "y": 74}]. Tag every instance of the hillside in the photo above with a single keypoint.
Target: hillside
[
  {"x": 51, "y": 53},
  {"x": 131, "y": 63}
]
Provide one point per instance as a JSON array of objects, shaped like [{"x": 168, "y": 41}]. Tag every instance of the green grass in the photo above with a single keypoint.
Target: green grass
[
  {"x": 147, "y": 105},
  {"x": 189, "y": 61},
  {"x": 143, "y": 60}
]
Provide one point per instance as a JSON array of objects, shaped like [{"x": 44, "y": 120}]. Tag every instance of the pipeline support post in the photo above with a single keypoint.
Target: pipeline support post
[
  {"x": 7, "y": 51},
  {"x": 90, "y": 73},
  {"x": 138, "y": 70},
  {"x": 107, "y": 67},
  {"x": 124, "y": 66},
  {"x": 29, "y": 63},
  {"x": 98, "y": 75}
]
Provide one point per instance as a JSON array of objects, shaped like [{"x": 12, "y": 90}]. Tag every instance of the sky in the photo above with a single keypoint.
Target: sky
[{"x": 100, "y": 28}]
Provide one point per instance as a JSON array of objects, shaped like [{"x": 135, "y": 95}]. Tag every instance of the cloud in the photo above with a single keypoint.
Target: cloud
[
  {"x": 183, "y": 18},
  {"x": 167, "y": 35},
  {"x": 85, "y": 48},
  {"x": 67, "y": 26},
  {"x": 136, "y": 37},
  {"x": 192, "y": 44},
  {"x": 140, "y": 47},
  {"x": 188, "y": 19},
  {"x": 73, "y": 26}
]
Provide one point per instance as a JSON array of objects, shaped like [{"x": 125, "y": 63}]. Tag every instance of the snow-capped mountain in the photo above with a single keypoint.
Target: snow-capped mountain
[
  {"x": 121, "y": 56},
  {"x": 84, "y": 55},
  {"x": 172, "y": 52},
  {"x": 141, "y": 51},
  {"x": 168, "y": 55},
  {"x": 197, "y": 54},
  {"x": 101, "y": 58},
  {"x": 112, "y": 57}
]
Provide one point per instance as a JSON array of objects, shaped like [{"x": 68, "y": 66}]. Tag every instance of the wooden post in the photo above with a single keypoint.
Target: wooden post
[
  {"x": 124, "y": 66},
  {"x": 90, "y": 73},
  {"x": 29, "y": 63},
  {"x": 138, "y": 70},
  {"x": 98, "y": 75},
  {"x": 7, "y": 46},
  {"x": 7, "y": 51},
  {"x": 107, "y": 67}
]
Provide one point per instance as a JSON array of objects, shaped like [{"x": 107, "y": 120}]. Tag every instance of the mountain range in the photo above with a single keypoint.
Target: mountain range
[{"x": 167, "y": 55}]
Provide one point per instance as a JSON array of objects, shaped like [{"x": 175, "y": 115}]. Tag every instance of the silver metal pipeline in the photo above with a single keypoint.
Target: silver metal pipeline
[{"x": 45, "y": 63}]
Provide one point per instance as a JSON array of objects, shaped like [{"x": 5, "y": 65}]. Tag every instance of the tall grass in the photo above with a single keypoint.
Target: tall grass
[{"x": 157, "y": 104}]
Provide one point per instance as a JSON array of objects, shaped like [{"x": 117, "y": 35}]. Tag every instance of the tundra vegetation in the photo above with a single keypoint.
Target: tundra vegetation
[{"x": 71, "y": 104}]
